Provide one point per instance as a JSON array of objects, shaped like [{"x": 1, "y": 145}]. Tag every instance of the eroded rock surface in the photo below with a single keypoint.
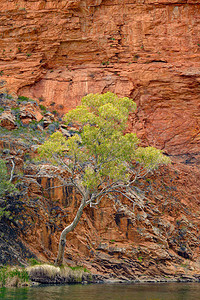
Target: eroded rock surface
[
  {"x": 59, "y": 51},
  {"x": 159, "y": 241},
  {"x": 156, "y": 240}
]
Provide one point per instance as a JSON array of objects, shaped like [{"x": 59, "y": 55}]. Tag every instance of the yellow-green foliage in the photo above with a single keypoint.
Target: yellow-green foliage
[
  {"x": 102, "y": 152},
  {"x": 55, "y": 145},
  {"x": 150, "y": 157}
]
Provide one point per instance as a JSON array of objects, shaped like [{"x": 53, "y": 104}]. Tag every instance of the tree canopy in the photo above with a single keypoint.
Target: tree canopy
[
  {"x": 100, "y": 157},
  {"x": 101, "y": 152}
]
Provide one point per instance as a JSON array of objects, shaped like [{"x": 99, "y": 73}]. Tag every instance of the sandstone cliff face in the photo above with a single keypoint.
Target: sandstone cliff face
[
  {"x": 158, "y": 237},
  {"x": 59, "y": 51},
  {"x": 161, "y": 240}
]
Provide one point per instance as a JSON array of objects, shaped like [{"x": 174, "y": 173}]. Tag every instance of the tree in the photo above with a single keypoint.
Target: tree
[
  {"x": 100, "y": 158},
  {"x": 7, "y": 188}
]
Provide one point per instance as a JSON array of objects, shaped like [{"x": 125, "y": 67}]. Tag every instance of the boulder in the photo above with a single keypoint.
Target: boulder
[{"x": 7, "y": 120}]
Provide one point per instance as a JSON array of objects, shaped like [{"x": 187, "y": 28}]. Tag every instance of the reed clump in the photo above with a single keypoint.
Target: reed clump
[{"x": 49, "y": 274}]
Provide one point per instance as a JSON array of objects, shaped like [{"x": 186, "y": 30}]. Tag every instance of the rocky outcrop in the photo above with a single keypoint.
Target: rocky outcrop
[
  {"x": 13, "y": 249},
  {"x": 160, "y": 241},
  {"x": 157, "y": 239},
  {"x": 8, "y": 121},
  {"x": 58, "y": 51}
]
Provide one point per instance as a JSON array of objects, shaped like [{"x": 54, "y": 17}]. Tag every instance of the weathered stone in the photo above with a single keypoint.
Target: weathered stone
[
  {"x": 65, "y": 132},
  {"x": 30, "y": 112},
  {"x": 7, "y": 120},
  {"x": 144, "y": 51}
]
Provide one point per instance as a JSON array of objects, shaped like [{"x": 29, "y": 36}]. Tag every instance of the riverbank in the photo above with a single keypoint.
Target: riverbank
[
  {"x": 49, "y": 274},
  {"x": 44, "y": 274}
]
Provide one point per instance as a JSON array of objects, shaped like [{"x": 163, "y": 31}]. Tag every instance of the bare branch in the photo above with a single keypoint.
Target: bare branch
[
  {"x": 12, "y": 171},
  {"x": 125, "y": 195}
]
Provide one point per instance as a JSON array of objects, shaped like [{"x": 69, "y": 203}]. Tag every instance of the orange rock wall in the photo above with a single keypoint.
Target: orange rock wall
[
  {"x": 162, "y": 239},
  {"x": 59, "y": 51}
]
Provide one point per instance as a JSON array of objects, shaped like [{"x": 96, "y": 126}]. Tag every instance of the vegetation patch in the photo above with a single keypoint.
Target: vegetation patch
[
  {"x": 49, "y": 274},
  {"x": 21, "y": 99},
  {"x": 13, "y": 277},
  {"x": 43, "y": 108},
  {"x": 9, "y": 196},
  {"x": 101, "y": 159}
]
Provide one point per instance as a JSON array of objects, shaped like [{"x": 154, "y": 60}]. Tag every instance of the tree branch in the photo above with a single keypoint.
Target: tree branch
[{"x": 12, "y": 171}]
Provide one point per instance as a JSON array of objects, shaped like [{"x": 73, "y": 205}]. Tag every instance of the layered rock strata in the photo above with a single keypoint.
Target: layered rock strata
[
  {"x": 157, "y": 239},
  {"x": 58, "y": 51}
]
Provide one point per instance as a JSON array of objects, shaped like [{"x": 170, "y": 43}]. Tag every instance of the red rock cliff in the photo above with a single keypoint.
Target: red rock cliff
[{"x": 59, "y": 51}]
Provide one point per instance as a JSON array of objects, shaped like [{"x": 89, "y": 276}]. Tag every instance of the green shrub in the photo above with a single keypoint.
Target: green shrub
[
  {"x": 7, "y": 274},
  {"x": 105, "y": 63},
  {"x": 43, "y": 108},
  {"x": 55, "y": 112},
  {"x": 79, "y": 268},
  {"x": 22, "y": 98},
  {"x": 33, "y": 262}
]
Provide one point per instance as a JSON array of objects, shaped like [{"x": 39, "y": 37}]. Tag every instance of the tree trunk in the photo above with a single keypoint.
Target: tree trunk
[{"x": 62, "y": 242}]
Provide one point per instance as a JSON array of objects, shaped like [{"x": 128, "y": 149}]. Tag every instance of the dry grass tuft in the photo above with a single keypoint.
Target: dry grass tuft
[{"x": 51, "y": 274}]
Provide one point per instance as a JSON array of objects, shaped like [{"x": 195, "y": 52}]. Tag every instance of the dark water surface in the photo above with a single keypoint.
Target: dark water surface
[{"x": 167, "y": 291}]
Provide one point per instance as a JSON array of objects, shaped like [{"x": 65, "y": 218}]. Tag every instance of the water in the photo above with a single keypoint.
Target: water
[{"x": 170, "y": 291}]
